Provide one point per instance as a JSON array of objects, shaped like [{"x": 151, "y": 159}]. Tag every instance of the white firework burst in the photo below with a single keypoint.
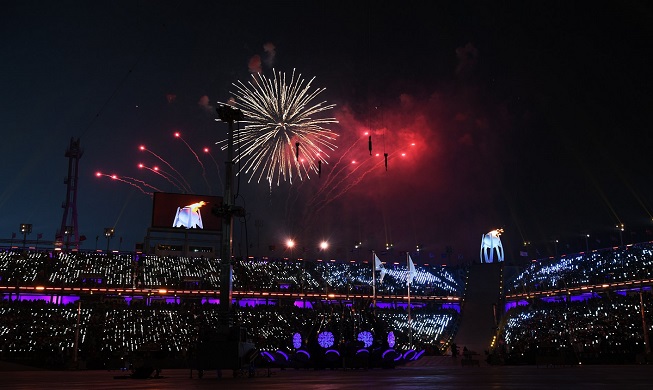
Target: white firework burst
[{"x": 281, "y": 137}]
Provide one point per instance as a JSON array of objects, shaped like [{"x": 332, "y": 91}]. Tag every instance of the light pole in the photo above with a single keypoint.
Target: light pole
[
  {"x": 357, "y": 246},
  {"x": 388, "y": 248},
  {"x": 587, "y": 245},
  {"x": 108, "y": 233},
  {"x": 324, "y": 245},
  {"x": 68, "y": 230},
  {"x": 290, "y": 244},
  {"x": 621, "y": 228},
  {"x": 25, "y": 228},
  {"x": 258, "y": 224},
  {"x": 228, "y": 210}
]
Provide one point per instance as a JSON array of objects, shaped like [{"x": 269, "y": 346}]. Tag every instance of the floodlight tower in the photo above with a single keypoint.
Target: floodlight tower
[
  {"x": 228, "y": 209},
  {"x": 69, "y": 225}
]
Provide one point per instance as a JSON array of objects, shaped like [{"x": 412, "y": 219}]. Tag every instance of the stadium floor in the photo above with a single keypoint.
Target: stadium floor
[{"x": 437, "y": 374}]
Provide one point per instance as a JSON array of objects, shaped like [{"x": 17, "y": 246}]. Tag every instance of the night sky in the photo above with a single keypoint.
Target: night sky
[{"x": 530, "y": 116}]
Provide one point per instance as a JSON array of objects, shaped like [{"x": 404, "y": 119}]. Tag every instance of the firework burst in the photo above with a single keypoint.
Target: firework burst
[{"x": 282, "y": 137}]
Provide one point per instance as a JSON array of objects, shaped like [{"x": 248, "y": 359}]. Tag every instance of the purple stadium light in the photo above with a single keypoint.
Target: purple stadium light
[
  {"x": 366, "y": 338},
  {"x": 282, "y": 353},
  {"x": 391, "y": 339},
  {"x": 297, "y": 340},
  {"x": 325, "y": 339}
]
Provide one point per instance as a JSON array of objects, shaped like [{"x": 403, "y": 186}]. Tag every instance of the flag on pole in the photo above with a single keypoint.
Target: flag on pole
[
  {"x": 411, "y": 271},
  {"x": 13, "y": 235},
  {"x": 378, "y": 265},
  {"x": 39, "y": 236}
]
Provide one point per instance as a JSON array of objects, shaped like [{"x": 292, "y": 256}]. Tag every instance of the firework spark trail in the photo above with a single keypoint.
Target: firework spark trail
[
  {"x": 158, "y": 172},
  {"x": 291, "y": 202},
  {"x": 318, "y": 202},
  {"x": 217, "y": 167},
  {"x": 330, "y": 187},
  {"x": 115, "y": 177},
  {"x": 349, "y": 186},
  {"x": 337, "y": 168},
  {"x": 141, "y": 182},
  {"x": 170, "y": 176},
  {"x": 186, "y": 186},
  {"x": 178, "y": 135},
  {"x": 327, "y": 199},
  {"x": 278, "y": 115}
]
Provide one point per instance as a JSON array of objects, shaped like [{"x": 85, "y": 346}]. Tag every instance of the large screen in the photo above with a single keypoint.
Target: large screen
[{"x": 185, "y": 211}]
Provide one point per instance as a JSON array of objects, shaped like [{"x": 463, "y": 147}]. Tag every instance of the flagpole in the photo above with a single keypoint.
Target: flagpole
[
  {"x": 374, "y": 283},
  {"x": 410, "y": 327}
]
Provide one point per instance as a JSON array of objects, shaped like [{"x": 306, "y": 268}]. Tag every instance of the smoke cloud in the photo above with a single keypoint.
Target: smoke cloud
[
  {"x": 205, "y": 105},
  {"x": 467, "y": 58},
  {"x": 270, "y": 51},
  {"x": 254, "y": 64}
]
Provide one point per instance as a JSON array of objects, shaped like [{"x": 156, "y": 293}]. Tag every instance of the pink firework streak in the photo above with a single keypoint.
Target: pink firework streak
[
  {"x": 163, "y": 175},
  {"x": 178, "y": 135},
  {"x": 134, "y": 183},
  {"x": 337, "y": 168},
  {"x": 328, "y": 198},
  {"x": 217, "y": 167},
  {"x": 143, "y": 148},
  {"x": 340, "y": 188}
]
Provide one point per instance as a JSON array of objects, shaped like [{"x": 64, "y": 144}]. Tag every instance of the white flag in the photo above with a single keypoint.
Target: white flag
[
  {"x": 411, "y": 271},
  {"x": 379, "y": 267},
  {"x": 377, "y": 263}
]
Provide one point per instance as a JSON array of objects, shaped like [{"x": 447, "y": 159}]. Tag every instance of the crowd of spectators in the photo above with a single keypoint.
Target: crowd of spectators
[
  {"x": 110, "y": 330},
  {"x": 148, "y": 271},
  {"x": 605, "y": 329},
  {"x": 626, "y": 263}
]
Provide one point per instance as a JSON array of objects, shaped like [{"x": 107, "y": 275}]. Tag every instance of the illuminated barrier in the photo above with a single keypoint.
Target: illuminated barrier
[
  {"x": 301, "y": 356},
  {"x": 331, "y": 355},
  {"x": 267, "y": 356},
  {"x": 409, "y": 355},
  {"x": 418, "y": 355},
  {"x": 390, "y": 355},
  {"x": 281, "y": 357}
]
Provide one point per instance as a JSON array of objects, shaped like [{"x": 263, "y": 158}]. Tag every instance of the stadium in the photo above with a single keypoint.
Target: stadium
[
  {"x": 183, "y": 300},
  {"x": 295, "y": 192},
  {"x": 114, "y": 310}
]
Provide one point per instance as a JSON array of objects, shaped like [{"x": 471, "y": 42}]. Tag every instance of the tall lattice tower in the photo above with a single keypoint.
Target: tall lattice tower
[{"x": 68, "y": 234}]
